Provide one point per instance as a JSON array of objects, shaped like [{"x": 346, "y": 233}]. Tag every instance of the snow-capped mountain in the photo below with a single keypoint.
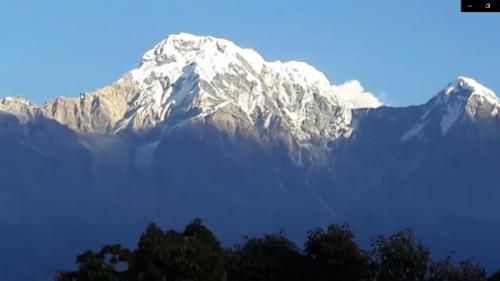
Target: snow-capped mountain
[
  {"x": 187, "y": 72},
  {"x": 205, "y": 128},
  {"x": 462, "y": 100},
  {"x": 188, "y": 79}
]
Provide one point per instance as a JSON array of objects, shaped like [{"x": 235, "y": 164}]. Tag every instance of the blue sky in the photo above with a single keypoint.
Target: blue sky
[{"x": 403, "y": 51}]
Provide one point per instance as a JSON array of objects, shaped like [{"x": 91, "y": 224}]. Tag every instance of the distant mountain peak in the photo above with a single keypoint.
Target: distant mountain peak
[
  {"x": 471, "y": 97},
  {"x": 189, "y": 73},
  {"x": 468, "y": 86},
  {"x": 462, "y": 98},
  {"x": 210, "y": 54}
]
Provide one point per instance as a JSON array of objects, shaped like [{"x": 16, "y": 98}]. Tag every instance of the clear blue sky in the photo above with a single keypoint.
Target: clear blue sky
[{"x": 403, "y": 51}]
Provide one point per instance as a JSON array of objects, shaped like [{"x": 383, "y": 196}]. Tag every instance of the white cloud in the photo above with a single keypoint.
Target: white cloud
[{"x": 352, "y": 93}]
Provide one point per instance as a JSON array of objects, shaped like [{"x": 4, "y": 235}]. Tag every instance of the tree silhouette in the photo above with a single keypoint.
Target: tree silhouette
[
  {"x": 400, "y": 257},
  {"x": 330, "y": 254},
  {"x": 270, "y": 258},
  {"x": 465, "y": 271},
  {"x": 495, "y": 277},
  {"x": 194, "y": 254},
  {"x": 97, "y": 266},
  {"x": 334, "y": 255}
]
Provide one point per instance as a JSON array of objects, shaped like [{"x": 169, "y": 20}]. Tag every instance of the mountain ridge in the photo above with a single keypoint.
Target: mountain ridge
[
  {"x": 185, "y": 55},
  {"x": 250, "y": 147},
  {"x": 188, "y": 78}
]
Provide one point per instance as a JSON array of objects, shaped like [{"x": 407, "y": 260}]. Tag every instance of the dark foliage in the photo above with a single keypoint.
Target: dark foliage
[
  {"x": 270, "y": 258},
  {"x": 465, "y": 271},
  {"x": 329, "y": 254},
  {"x": 495, "y": 277},
  {"x": 334, "y": 255},
  {"x": 399, "y": 258}
]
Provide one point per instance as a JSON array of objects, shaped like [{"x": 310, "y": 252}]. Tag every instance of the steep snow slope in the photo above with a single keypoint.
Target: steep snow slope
[{"x": 195, "y": 77}]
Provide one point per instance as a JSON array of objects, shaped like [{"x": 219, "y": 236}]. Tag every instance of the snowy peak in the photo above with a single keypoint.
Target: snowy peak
[
  {"x": 214, "y": 56},
  {"x": 468, "y": 86},
  {"x": 463, "y": 90},
  {"x": 466, "y": 95},
  {"x": 462, "y": 98},
  {"x": 200, "y": 76},
  {"x": 211, "y": 55}
]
